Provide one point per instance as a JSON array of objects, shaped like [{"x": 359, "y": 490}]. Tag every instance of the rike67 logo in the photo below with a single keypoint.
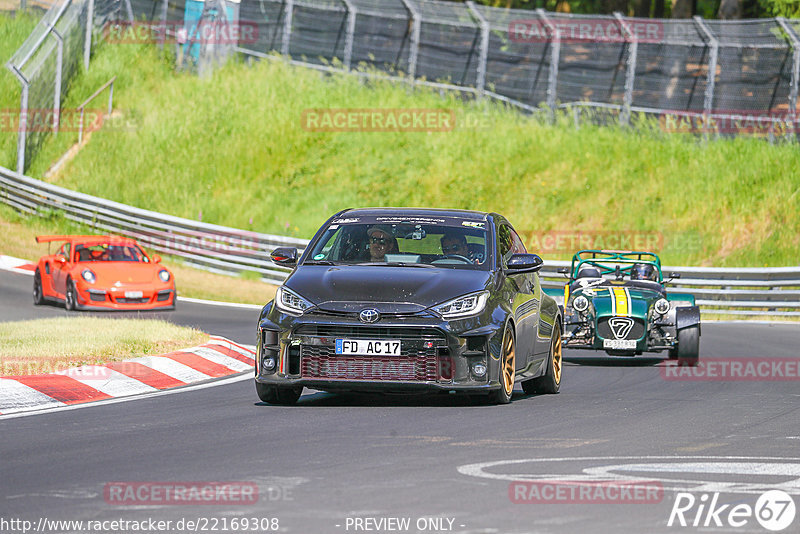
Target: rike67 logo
[{"x": 774, "y": 510}]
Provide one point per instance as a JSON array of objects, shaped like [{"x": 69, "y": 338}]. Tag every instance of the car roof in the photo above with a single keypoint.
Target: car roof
[{"x": 416, "y": 212}]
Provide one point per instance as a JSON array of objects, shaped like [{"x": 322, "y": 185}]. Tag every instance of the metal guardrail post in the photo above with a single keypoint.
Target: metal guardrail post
[
  {"x": 129, "y": 9},
  {"x": 630, "y": 70},
  {"x": 555, "y": 53},
  {"x": 287, "y": 27},
  {"x": 416, "y": 27},
  {"x": 57, "y": 83},
  {"x": 484, "y": 52},
  {"x": 793, "y": 84},
  {"x": 22, "y": 127},
  {"x": 711, "y": 77},
  {"x": 352, "y": 13},
  {"x": 164, "y": 15},
  {"x": 87, "y": 42}
]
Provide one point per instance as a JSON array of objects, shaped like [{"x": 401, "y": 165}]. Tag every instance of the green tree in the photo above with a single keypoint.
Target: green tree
[{"x": 781, "y": 8}]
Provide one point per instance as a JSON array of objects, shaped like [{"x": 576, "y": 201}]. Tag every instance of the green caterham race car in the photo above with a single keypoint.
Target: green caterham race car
[{"x": 616, "y": 301}]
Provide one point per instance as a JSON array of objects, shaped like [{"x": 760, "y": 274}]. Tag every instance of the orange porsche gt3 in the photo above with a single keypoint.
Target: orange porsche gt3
[{"x": 90, "y": 272}]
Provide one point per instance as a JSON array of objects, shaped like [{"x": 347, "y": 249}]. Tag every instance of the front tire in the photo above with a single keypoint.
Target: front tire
[
  {"x": 278, "y": 395},
  {"x": 550, "y": 382},
  {"x": 69, "y": 298},
  {"x": 38, "y": 295},
  {"x": 507, "y": 369},
  {"x": 689, "y": 346}
]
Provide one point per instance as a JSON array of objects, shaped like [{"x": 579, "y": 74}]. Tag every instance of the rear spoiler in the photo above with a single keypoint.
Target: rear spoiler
[{"x": 50, "y": 238}]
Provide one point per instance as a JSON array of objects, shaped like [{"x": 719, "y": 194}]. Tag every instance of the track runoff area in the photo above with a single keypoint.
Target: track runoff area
[{"x": 627, "y": 446}]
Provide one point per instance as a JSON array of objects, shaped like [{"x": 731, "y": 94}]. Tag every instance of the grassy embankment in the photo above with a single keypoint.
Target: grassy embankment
[{"x": 230, "y": 149}]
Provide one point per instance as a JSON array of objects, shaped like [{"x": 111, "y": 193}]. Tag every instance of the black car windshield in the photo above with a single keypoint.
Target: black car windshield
[{"x": 440, "y": 242}]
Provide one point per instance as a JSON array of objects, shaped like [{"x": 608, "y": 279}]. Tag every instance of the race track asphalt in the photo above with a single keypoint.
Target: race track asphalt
[{"x": 343, "y": 463}]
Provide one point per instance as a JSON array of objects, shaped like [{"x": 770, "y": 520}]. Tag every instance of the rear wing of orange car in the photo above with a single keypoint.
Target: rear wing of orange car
[{"x": 73, "y": 238}]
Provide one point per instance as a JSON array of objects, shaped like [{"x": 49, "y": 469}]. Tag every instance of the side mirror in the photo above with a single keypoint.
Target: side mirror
[
  {"x": 524, "y": 263},
  {"x": 286, "y": 256},
  {"x": 156, "y": 258},
  {"x": 674, "y": 275},
  {"x": 61, "y": 259},
  {"x": 563, "y": 270}
]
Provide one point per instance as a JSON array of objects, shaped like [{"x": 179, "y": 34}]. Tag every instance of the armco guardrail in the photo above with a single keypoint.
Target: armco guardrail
[
  {"x": 734, "y": 291},
  {"x": 215, "y": 248},
  {"x": 767, "y": 291}
]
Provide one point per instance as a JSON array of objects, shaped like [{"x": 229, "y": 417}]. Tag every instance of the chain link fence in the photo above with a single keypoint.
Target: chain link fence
[
  {"x": 53, "y": 53},
  {"x": 695, "y": 75}
]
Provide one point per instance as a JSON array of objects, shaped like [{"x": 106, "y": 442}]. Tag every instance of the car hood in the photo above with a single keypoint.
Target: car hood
[
  {"x": 627, "y": 301},
  {"x": 389, "y": 289},
  {"x": 122, "y": 273}
]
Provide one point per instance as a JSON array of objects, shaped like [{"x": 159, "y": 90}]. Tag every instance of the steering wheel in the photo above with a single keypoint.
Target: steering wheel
[{"x": 454, "y": 257}]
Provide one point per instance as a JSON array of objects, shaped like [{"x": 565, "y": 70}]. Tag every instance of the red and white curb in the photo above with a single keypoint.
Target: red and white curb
[
  {"x": 219, "y": 357},
  {"x": 9, "y": 263}
]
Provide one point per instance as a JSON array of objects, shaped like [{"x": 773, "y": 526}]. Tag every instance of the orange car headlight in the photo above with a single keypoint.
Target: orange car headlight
[
  {"x": 88, "y": 276},
  {"x": 163, "y": 274}
]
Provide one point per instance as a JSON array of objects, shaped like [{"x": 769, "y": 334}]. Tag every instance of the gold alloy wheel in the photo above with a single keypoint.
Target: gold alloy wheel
[
  {"x": 557, "y": 355},
  {"x": 508, "y": 362}
]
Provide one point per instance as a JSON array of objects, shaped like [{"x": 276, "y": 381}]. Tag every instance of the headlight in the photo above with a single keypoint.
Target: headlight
[
  {"x": 661, "y": 306},
  {"x": 163, "y": 274},
  {"x": 290, "y": 302},
  {"x": 89, "y": 276},
  {"x": 580, "y": 303},
  {"x": 463, "y": 306}
]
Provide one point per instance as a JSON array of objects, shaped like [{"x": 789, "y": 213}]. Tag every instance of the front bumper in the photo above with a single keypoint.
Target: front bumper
[
  {"x": 436, "y": 355},
  {"x": 99, "y": 299},
  {"x": 583, "y": 334}
]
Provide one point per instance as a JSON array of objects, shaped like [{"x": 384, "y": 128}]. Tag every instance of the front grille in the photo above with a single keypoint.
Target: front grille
[
  {"x": 605, "y": 332},
  {"x": 97, "y": 297},
  {"x": 417, "y": 361},
  {"x": 319, "y": 362},
  {"x": 123, "y": 300},
  {"x": 163, "y": 296},
  {"x": 376, "y": 332}
]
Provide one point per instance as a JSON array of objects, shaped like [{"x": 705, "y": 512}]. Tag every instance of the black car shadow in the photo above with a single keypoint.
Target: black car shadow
[{"x": 322, "y": 399}]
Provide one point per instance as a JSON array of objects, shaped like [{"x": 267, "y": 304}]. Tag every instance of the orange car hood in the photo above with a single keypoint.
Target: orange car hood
[{"x": 109, "y": 273}]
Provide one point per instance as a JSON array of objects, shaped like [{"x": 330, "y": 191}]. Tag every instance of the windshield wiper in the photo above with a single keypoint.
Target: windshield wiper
[{"x": 319, "y": 262}]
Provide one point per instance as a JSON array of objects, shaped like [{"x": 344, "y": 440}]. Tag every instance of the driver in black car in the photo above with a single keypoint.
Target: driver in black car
[{"x": 455, "y": 244}]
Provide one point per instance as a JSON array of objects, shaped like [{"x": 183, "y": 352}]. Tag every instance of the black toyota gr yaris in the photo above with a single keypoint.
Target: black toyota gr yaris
[{"x": 410, "y": 300}]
